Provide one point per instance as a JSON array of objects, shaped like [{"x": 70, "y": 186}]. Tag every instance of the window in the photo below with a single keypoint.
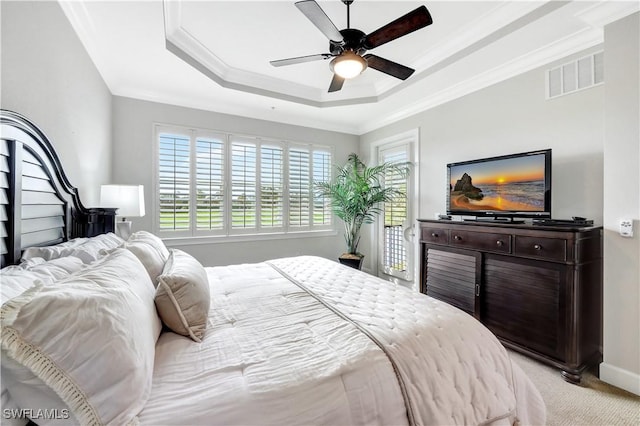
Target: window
[
  {"x": 173, "y": 182},
  {"x": 209, "y": 184},
  {"x": 272, "y": 186},
  {"x": 299, "y": 187},
  {"x": 395, "y": 213},
  {"x": 244, "y": 188},
  {"x": 397, "y": 254},
  {"x": 321, "y": 173},
  {"x": 221, "y": 184}
]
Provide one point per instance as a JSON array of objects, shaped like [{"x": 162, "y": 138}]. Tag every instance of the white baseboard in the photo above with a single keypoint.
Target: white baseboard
[{"x": 618, "y": 377}]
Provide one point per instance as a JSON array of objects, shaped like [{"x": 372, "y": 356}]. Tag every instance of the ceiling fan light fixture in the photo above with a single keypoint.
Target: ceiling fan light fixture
[{"x": 348, "y": 65}]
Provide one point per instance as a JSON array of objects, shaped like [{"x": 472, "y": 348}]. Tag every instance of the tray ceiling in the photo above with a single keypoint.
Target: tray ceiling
[{"x": 214, "y": 55}]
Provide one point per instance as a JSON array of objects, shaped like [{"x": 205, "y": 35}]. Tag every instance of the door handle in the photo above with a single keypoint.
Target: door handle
[{"x": 408, "y": 233}]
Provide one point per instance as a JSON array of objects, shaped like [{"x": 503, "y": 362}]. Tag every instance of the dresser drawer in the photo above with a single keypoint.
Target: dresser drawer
[
  {"x": 542, "y": 248},
  {"x": 435, "y": 236},
  {"x": 498, "y": 243}
]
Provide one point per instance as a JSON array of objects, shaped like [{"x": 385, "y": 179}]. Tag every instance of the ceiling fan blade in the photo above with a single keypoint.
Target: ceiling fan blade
[
  {"x": 300, "y": 59},
  {"x": 386, "y": 66},
  {"x": 412, "y": 21},
  {"x": 336, "y": 83},
  {"x": 316, "y": 15}
]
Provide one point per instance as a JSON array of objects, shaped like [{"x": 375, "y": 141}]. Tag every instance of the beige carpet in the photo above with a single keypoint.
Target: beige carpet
[{"x": 591, "y": 403}]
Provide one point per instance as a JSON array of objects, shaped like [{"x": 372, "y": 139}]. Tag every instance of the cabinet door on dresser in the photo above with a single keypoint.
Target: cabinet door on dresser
[
  {"x": 453, "y": 276},
  {"x": 524, "y": 302}
]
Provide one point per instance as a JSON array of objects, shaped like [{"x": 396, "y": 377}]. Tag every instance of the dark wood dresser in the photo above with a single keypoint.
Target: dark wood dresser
[{"x": 538, "y": 288}]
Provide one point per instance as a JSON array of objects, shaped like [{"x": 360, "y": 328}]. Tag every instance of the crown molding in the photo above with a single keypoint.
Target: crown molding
[{"x": 606, "y": 12}]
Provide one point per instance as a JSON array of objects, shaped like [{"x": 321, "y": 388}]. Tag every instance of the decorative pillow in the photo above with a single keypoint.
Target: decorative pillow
[
  {"x": 182, "y": 297},
  {"x": 89, "y": 337},
  {"x": 53, "y": 252},
  {"x": 150, "y": 250}
]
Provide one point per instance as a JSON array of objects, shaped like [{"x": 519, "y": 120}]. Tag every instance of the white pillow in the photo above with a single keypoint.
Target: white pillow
[
  {"x": 8, "y": 404},
  {"x": 16, "y": 279},
  {"x": 87, "y": 249},
  {"x": 96, "y": 247},
  {"x": 150, "y": 250},
  {"x": 89, "y": 337},
  {"x": 152, "y": 240},
  {"x": 183, "y": 295},
  {"x": 56, "y": 269},
  {"x": 53, "y": 252},
  {"x": 25, "y": 386}
]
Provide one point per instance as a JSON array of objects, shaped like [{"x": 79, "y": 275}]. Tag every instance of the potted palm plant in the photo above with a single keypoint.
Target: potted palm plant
[{"x": 356, "y": 196}]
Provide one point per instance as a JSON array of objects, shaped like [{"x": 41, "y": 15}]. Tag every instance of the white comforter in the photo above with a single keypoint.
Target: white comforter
[{"x": 305, "y": 340}]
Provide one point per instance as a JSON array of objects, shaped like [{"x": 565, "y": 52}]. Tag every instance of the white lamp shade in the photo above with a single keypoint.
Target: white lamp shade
[{"x": 129, "y": 199}]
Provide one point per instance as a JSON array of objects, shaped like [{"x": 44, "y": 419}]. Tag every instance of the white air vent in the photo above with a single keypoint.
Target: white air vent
[{"x": 577, "y": 75}]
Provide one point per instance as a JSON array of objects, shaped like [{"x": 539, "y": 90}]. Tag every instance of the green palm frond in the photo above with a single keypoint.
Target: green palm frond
[{"x": 358, "y": 192}]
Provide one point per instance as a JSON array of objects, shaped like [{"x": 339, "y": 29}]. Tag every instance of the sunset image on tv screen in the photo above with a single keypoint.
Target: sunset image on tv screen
[{"x": 510, "y": 184}]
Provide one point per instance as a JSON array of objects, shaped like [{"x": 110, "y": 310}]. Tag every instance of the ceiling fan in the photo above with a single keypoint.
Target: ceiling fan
[{"x": 347, "y": 46}]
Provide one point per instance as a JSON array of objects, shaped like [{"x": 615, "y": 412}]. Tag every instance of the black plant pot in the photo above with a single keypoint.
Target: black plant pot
[{"x": 351, "y": 260}]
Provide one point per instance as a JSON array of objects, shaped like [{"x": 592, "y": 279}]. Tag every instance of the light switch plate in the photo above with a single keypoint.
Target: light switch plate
[{"x": 626, "y": 227}]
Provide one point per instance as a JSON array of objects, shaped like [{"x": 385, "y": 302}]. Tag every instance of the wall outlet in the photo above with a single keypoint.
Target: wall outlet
[{"x": 626, "y": 228}]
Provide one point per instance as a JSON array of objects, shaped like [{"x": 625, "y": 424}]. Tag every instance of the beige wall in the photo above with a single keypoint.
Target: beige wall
[
  {"x": 622, "y": 200},
  {"x": 506, "y": 118},
  {"x": 510, "y": 117},
  {"x": 47, "y": 75},
  {"x": 133, "y": 163}
]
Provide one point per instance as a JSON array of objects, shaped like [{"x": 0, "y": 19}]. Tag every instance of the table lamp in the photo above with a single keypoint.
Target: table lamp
[{"x": 129, "y": 199}]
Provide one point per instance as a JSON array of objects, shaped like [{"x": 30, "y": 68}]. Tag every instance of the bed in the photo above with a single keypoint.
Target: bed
[{"x": 98, "y": 330}]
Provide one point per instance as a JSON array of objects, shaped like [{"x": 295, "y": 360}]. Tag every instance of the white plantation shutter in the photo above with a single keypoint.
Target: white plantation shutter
[
  {"x": 243, "y": 184},
  {"x": 395, "y": 214},
  {"x": 212, "y": 183},
  {"x": 271, "y": 186},
  {"x": 173, "y": 182},
  {"x": 321, "y": 173},
  {"x": 210, "y": 199},
  {"x": 299, "y": 187}
]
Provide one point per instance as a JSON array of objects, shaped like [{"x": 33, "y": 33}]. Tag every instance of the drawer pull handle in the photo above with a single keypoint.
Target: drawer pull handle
[
  {"x": 434, "y": 235},
  {"x": 457, "y": 237},
  {"x": 537, "y": 246},
  {"x": 499, "y": 243}
]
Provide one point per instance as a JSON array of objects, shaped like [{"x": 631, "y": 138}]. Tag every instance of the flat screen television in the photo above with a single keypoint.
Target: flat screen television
[{"x": 502, "y": 188}]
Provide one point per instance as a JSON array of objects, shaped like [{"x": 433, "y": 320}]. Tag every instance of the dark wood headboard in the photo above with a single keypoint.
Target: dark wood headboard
[{"x": 38, "y": 205}]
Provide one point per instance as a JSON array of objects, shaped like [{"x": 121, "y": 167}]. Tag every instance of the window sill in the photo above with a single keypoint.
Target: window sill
[{"x": 223, "y": 239}]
